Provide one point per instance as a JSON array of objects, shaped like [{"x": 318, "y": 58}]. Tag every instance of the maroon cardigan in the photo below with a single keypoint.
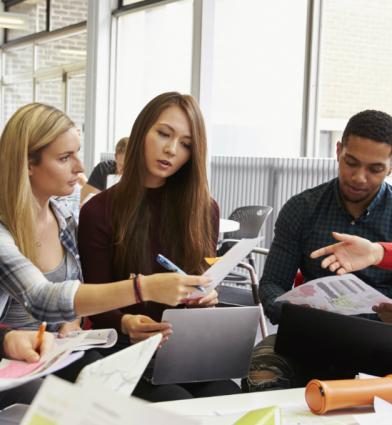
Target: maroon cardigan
[{"x": 96, "y": 251}]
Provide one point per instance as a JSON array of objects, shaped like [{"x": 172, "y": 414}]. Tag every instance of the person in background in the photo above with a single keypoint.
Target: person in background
[
  {"x": 98, "y": 180},
  {"x": 162, "y": 204},
  {"x": 22, "y": 345},
  {"x": 358, "y": 202},
  {"x": 354, "y": 253}
]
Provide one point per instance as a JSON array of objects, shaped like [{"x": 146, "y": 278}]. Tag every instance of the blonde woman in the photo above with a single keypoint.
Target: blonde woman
[{"x": 40, "y": 274}]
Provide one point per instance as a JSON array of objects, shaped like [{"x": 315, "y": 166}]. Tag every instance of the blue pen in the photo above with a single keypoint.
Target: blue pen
[{"x": 168, "y": 265}]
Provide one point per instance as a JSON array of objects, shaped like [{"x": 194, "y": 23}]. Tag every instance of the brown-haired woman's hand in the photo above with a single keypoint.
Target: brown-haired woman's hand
[
  {"x": 170, "y": 288},
  {"x": 139, "y": 327},
  {"x": 209, "y": 300}
]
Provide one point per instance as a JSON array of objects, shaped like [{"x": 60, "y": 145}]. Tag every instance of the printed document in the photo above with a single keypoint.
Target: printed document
[
  {"x": 346, "y": 294},
  {"x": 61, "y": 403}
]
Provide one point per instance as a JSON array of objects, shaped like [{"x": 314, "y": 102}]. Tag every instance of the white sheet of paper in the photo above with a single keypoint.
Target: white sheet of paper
[
  {"x": 373, "y": 419},
  {"x": 226, "y": 263},
  {"x": 112, "y": 179},
  {"x": 345, "y": 294},
  {"x": 49, "y": 367},
  {"x": 61, "y": 403},
  {"x": 101, "y": 338},
  {"x": 121, "y": 371}
]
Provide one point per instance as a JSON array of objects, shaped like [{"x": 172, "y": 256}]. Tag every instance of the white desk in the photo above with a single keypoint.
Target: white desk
[
  {"x": 226, "y": 410},
  {"x": 226, "y": 225}
]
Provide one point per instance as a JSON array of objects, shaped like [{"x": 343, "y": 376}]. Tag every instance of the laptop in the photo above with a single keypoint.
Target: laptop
[
  {"x": 207, "y": 344},
  {"x": 336, "y": 345}
]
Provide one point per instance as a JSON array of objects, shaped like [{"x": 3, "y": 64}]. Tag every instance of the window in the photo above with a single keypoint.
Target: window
[
  {"x": 36, "y": 13},
  {"x": 46, "y": 66},
  {"x": 154, "y": 55},
  {"x": 257, "y": 77},
  {"x": 63, "y": 51},
  {"x": 15, "y": 96},
  {"x": 355, "y": 65},
  {"x": 67, "y": 12}
]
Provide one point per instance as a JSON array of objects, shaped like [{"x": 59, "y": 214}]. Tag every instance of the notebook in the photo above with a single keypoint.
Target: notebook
[
  {"x": 207, "y": 344},
  {"x": 345, "y": 345}
]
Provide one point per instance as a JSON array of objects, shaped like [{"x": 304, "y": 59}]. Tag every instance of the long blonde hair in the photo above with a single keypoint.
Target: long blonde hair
[
  {"x": 27, "y": 132},
  {"x": 186, "y": 206}
]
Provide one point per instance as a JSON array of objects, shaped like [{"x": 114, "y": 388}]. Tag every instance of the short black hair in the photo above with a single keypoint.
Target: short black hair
[{"x": 370, "y": 124}]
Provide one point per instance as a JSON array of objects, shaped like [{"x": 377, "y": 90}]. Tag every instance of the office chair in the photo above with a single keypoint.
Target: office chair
[{"x": 251, "y": 219}]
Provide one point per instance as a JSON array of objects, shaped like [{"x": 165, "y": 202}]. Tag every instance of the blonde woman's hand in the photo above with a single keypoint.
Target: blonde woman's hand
[
  {"x": 210, "y": 300},
  {"x": 350, "y": 254},
  {"x": 22, "y": 345},
  {"x": 139, "y": 327},
  {"x": 170, "y": 288}
]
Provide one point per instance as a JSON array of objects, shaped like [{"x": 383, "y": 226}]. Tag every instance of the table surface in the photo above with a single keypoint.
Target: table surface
[
  {"x": 226, "y": 225},
  {"x": 226, "y": 410}
]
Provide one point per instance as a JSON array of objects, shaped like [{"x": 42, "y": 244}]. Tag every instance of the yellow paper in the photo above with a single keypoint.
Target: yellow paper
[
  {"x": 211, "y": 260},
  {"x": 265, "y": 416}
]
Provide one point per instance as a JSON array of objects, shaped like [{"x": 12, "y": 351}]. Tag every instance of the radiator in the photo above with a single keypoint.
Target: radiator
[{"x": 237, "y": 181}]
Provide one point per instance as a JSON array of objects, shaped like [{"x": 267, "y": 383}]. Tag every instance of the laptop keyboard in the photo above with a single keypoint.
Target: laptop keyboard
[{"x": 235, "y": 294}]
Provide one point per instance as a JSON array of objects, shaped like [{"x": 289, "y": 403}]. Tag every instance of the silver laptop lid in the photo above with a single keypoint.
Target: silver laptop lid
[{"x": 207, "y": 344}]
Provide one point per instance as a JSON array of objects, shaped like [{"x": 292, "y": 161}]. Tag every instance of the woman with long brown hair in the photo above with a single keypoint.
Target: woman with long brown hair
[{"x": 161, "y": 205}]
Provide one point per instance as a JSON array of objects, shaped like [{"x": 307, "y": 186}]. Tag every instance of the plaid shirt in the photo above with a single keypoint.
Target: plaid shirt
[
  {"x": 21, "y": 280},
  {"x": 305, "y": 223}
]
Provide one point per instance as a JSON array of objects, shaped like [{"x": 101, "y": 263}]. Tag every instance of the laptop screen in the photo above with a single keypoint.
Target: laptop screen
[{"x": 336, "y": 346}]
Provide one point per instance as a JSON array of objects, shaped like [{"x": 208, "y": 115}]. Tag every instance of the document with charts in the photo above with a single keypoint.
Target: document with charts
[{"x": 345, "y": 294}]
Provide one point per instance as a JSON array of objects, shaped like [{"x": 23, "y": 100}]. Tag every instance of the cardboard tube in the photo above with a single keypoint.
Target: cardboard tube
[{"x": 323, "y": 396}]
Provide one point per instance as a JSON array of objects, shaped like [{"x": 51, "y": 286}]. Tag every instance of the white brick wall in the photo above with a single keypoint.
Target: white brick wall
[{"x": 356, "y": 57}]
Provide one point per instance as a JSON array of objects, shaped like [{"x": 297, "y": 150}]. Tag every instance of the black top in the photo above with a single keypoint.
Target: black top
[
  {"x": 96, "y": 249},
  {"x": 100, "y": 172}
]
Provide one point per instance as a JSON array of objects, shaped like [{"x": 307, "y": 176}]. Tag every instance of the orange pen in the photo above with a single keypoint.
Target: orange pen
[{"x": 40, "y": 336}]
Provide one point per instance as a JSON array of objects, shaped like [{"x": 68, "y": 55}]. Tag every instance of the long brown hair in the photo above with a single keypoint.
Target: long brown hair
[{"x": 186, "y": 202}]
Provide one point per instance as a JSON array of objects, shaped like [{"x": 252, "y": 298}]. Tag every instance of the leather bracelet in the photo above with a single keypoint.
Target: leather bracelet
[
  {"x": 136, "y": 287},
  {"x": 133, "y": 277}
]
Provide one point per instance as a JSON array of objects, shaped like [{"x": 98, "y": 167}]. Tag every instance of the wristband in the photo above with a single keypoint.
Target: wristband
[
  {"x": 136, "y": 287},
  {"x": 139, "y": 286}
]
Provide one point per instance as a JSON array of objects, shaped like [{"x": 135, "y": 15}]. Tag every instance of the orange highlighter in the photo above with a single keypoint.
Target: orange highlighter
[{"x": 323, "y": 396}]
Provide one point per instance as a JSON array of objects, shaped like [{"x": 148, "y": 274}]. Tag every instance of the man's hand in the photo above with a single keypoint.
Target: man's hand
[{"x": 384, "y": 311}]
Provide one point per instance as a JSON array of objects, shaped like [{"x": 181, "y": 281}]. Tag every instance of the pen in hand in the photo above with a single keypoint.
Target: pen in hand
[
  {"x": 40, "y": 336},
  {"x": 168, "y": 265}
]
